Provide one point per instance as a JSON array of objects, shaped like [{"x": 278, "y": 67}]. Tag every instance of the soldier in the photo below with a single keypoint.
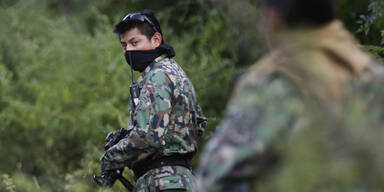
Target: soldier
[
  {"x": 308, "y": 78},
  {"x": 166, "y": 119}
]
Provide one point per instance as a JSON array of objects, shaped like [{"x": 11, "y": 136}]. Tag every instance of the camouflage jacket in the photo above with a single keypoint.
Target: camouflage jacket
[
  {"x": 167, "y": 119},
  {"x": 311, "y": 72}
]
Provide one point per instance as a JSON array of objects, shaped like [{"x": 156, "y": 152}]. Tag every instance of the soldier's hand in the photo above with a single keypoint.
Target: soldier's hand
[{"x": 114, "y": 137}]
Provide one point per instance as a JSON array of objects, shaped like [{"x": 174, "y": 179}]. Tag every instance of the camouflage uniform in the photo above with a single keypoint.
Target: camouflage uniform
[
  {"x": 165, "y": 122},
  {"x": 307, "y": 72}
]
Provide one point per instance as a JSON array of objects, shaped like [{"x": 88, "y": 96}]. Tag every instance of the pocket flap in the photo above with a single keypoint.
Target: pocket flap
[{"x": 172, "y": 183}]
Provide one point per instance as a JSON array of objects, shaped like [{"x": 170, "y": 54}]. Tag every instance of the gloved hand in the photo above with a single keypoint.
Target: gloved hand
[{"x": 114, "y": 137}]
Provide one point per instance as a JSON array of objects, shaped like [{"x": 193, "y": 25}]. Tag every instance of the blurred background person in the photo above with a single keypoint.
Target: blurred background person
[{"x": 294, "y": 120}]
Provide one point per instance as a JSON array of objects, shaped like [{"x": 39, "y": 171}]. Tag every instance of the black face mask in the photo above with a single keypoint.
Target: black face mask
[{"x": 139, "y": 60}]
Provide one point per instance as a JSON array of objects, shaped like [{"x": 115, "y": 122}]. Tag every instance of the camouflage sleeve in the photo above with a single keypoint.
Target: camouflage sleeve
[
  {"x": 256, "y": 116},
  {"x": 151, "y": 118}
]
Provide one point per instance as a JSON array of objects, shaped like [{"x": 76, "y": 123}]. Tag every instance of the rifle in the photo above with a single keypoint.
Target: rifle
[{"x": 121, "y": 178}]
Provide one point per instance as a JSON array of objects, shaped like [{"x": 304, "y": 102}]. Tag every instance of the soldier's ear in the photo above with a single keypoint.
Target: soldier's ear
[{"x": 156, "y": 39}]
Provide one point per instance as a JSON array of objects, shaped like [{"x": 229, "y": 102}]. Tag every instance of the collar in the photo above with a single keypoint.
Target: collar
[{"x": 150, "y": 67}]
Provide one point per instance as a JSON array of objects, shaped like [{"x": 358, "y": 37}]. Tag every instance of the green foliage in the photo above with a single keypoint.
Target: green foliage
[
  {"x": 62, "y": 91},
  {"x": 373, "y": 20},
  {"x": 8, "y": 183},
  {"x": 366, "y": 20},
  {"x": 371, "y": 25},
  {"x": 377, "y": 51}
]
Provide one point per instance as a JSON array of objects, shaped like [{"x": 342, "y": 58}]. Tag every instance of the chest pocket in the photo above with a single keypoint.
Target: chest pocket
[
  {"x": 172, "y": 178},
  {"x": 171, "y": 183}
]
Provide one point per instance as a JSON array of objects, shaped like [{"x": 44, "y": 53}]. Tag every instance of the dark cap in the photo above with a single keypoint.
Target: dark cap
[{"x": 303, "y": 12}]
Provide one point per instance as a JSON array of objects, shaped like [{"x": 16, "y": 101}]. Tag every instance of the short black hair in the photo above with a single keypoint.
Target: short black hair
[
  {"x": 144, "y": 27},
  {"x": 303, "y": 12}
]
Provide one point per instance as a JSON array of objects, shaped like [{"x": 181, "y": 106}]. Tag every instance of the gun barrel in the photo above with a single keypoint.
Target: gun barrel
[{"x": 126, "y": 183}]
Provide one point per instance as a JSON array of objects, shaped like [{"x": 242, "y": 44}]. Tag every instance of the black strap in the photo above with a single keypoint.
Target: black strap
[{"x": 142, "y": 167}]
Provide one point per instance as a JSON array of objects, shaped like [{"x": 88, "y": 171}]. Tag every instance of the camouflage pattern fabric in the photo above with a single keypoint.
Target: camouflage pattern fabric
[
  {"x": 164, "y": 122},
  {"x": 168, "y": 178},
  {"x": 309, "y": 74}
]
